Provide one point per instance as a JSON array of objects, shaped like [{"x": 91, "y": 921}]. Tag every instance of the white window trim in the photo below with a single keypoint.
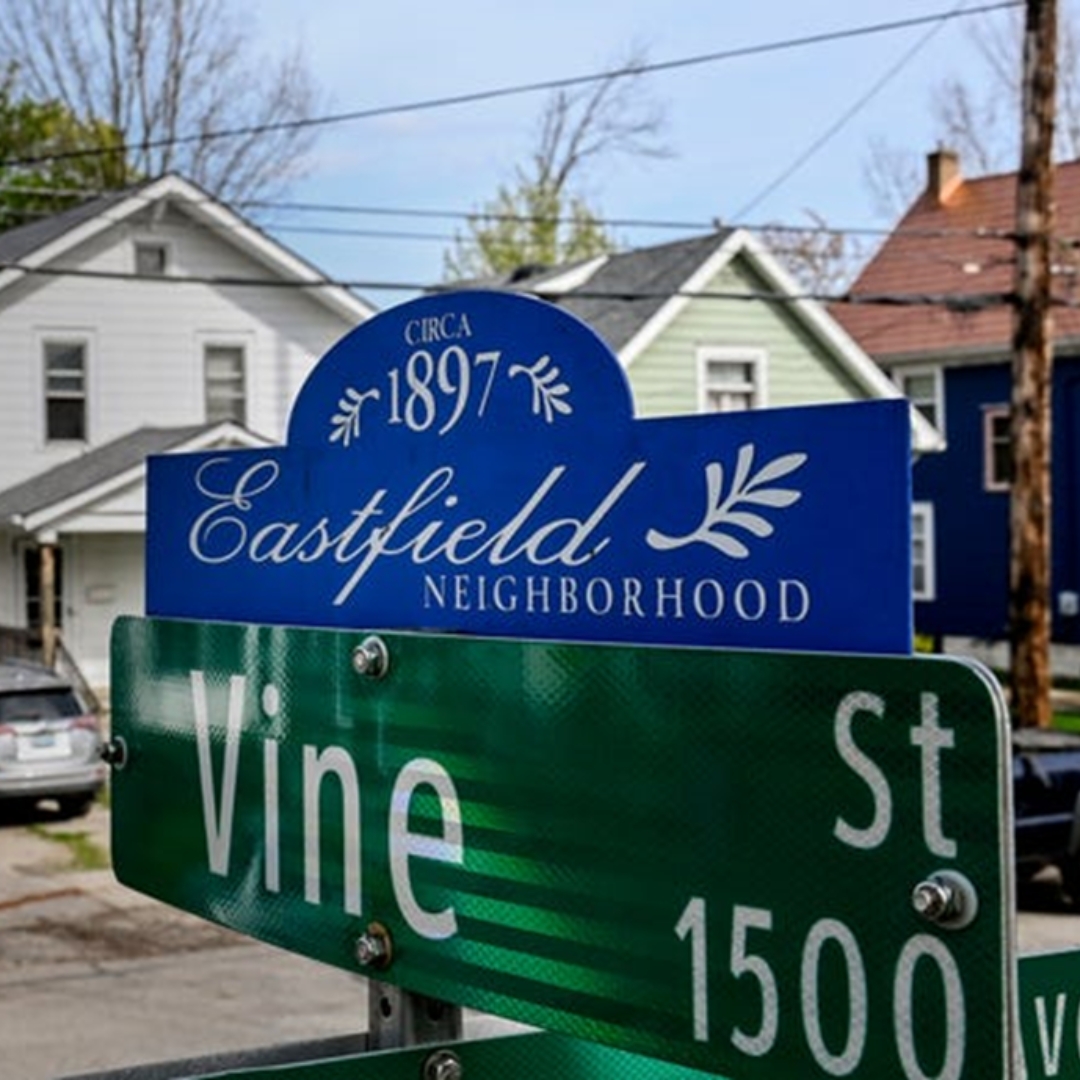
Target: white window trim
[
  {"x": 925, "y": 511},
  {"x": 152, "y": 241},
  {"x": 245, "y": 342},
  {"x": 991, "y": 412},
  {"x": 66, "y": 336},
  {"x": 757, "y": 358},
  {"x": 899, "y": 374}
]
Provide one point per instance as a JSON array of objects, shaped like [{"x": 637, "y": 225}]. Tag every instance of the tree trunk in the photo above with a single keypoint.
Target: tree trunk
[{"x": 1029, "y": 569}]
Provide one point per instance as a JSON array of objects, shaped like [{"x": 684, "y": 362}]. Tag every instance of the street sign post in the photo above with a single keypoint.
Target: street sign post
[
  {"x": 470, "y": 463},
  {"x": 759, "y": 864}
]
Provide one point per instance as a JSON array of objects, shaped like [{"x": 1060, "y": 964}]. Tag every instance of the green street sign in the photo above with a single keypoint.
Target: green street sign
[
  {"x": 759, "y": 864},
  {"x": 527, "y": 1056},
  {"x": 1050, "y": 1014}
]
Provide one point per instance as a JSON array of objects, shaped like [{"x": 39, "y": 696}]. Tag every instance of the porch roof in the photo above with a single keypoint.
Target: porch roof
[{"x": 45, "y": 499}]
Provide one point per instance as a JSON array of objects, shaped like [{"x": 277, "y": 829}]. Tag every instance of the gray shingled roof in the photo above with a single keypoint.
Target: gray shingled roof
[
  {"x": 19, "y": 242},
  {"x": 632, "y": 286},
  {"x": 625, "y": 292},
  {"x": 94, "y": 467}
]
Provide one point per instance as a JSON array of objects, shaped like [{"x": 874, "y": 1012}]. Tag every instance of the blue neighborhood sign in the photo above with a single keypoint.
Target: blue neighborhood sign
[{"x": 470, "y": 462}]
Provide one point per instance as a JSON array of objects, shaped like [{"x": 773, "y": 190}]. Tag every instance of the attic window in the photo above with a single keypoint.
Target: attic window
[
  {"x": 151, "y": 258},
  {"x": 730, "y": 380}
]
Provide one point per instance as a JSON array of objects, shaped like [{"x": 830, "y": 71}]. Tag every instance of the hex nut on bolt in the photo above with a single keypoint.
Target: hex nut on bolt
[
  {"x": 374, "y": 947},
  {"x": 114, "y": 752},
  {"x": 947, "y": 899},
  {"x": 371, "y": 658},
  {"x": 443, "y": 1065}
]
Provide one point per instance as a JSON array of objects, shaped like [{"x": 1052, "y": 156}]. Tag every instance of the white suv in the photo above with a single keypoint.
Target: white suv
[{"x": 50, "y": 743}]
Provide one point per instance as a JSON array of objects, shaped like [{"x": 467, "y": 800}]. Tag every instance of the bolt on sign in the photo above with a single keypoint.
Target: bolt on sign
[
  {"x": 758, "y": 864},
  {"x": 470, "y": 462}
]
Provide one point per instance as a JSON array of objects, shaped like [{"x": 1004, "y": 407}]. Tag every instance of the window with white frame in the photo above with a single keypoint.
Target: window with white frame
[
  {"x": 151, "y": 258},
  {"x": 65, "y": 390},
  {"x": 730, "y": 380},
  {"x": 225, "y": 384},
  {"x": 923, "y": 388},
  {"x": 997, "y": 448},
  {"x": 922, "y": 551}
]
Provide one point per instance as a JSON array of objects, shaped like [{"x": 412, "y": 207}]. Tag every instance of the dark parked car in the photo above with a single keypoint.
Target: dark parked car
[
  {"x": 49, "y": 741},
  {"x": 1046, "y": 803}
]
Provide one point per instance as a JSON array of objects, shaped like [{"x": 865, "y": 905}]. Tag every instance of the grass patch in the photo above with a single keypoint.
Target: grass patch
[
  {"x": 85, "y": 853},
  {"x": 1067, "y": 721}
]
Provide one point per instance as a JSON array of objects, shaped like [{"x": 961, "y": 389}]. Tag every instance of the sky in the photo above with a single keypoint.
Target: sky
[{"x": 733, "y": 126}]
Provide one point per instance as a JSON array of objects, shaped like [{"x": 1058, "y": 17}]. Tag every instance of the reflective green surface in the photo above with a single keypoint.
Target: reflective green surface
[
  {"x": 1050, "y": 1014},
  {"x": 701, "y": 856}
]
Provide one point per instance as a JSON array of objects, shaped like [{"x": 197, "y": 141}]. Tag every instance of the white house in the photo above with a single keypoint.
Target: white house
[{"x": 150, "y": 320}]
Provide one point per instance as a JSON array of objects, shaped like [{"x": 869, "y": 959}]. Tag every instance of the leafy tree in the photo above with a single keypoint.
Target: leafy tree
[
  {"x": 543, "y": 218},
  {"x": 38, "y": 129},
  {"x": 531, "y": 224},
  {"x": 165, "y": 76}
]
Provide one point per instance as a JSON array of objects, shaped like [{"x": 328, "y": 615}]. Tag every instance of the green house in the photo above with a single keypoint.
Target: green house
[{"x": 715, "y": 323}]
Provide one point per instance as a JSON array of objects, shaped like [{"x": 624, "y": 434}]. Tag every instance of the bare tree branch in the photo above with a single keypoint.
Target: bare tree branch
[
  {"x": 158, "y": 69},
  {"x": 979, "y": 119},
  {"x": 544, "y": 218}
]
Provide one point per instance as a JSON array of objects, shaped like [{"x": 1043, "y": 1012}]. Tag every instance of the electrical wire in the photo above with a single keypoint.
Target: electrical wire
[
  {"x": 978, "y": 232},
  {"x": 477, "y": 96},
  {"x": 964, "y": 303},
  {"x": 847, "y": 115}
]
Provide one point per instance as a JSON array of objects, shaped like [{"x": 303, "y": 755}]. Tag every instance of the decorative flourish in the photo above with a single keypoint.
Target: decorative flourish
[
  {"x": 545, "y": 396},
  {"x": 721, "y": 515},
  {"x": 346, "y": 422}
]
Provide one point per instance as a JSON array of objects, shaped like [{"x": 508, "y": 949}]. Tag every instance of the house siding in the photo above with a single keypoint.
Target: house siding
[
  {"x": 799, "y": 370},
  {"x": 104, "y": 575},
  {"x": 972, "y": 524},
  {"x": 145, "y": 341}
]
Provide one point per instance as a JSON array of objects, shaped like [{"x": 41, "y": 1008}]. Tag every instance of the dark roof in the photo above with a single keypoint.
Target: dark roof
[
  {"x": 936, "y": 250},
  {"x": 94, "y": 467},
  {"x": 19, "y": 242},
  {"x": 628, "y": 289},
  {"x": 632, "y": 286}
]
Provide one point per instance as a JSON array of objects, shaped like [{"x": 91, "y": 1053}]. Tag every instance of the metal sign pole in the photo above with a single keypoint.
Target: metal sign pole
[{"x": 398, "y": 1018}]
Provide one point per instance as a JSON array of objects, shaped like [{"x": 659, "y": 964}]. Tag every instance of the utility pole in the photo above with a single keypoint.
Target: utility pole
[{"x": 1032, "y": 371}]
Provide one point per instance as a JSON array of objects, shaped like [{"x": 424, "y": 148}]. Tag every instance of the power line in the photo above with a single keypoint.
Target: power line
[
  {"x": 966, "y": 303},
  {"x": 476, "y": 96},
  {"x": 847, "y": 115},
  {"x": 978, "y": 232}
]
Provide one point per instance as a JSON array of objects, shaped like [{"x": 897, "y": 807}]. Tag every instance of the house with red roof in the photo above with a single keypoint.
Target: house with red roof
[{"x": 933, "y": 308}]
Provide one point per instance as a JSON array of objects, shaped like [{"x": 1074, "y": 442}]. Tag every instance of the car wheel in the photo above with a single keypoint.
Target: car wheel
[
  {"x": 72, "y": 806},
  {"x": 1070, "y": 878}
]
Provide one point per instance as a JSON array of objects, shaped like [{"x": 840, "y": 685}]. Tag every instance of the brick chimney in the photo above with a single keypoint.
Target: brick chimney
[{"x": 942, "y": 174}]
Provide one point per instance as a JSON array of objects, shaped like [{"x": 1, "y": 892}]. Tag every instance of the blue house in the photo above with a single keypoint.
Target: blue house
[{"x": 950, "y": 353}]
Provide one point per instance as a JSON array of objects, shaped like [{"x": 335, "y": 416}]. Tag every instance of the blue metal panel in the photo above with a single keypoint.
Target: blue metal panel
[{"x": 471, "y": 463}]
